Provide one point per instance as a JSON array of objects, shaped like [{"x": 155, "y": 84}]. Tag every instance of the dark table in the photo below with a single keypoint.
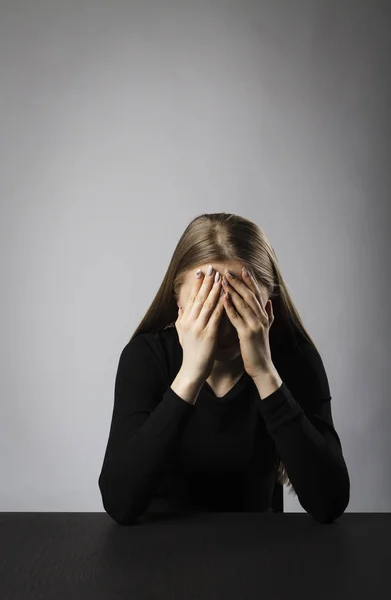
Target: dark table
[{"x": 197, "y": 555}]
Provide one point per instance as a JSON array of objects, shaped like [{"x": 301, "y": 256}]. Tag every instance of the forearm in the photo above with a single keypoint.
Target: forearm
[
  {"x": 313, "y": 460},
  {"x": 133, "y": 464}
]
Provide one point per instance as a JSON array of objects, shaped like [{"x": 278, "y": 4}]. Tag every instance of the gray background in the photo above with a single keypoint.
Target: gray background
[{"x": 122, "y": 121}]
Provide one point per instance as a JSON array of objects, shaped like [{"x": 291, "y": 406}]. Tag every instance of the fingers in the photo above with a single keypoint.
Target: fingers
[
  {"x": 206, "y": 295},
  {"x": 212, "y": 300},
  {"x": 198, "y": 282},
  {"x": 203, "y": 292}
]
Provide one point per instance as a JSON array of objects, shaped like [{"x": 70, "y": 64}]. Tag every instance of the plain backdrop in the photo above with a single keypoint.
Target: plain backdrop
[{"x": 121, "y": 121}]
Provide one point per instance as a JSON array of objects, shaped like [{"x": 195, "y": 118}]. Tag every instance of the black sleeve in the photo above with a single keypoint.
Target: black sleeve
[
  {"x": 145, "y": 423},
  {"x": 298, "y": 417}
]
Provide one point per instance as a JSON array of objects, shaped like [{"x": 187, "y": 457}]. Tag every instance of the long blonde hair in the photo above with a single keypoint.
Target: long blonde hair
[{"x": 226, "y": 237}]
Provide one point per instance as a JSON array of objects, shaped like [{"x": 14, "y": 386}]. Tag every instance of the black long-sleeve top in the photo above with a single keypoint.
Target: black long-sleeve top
[{"x": 222, "y": 453}]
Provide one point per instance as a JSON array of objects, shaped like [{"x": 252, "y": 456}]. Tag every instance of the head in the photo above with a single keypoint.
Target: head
[
  {"x": 227, "y": 339},
  {"x": 226, "y": 240}
]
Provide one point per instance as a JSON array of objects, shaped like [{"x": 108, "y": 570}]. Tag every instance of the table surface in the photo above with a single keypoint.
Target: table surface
[{"x": 197, "y": 555}]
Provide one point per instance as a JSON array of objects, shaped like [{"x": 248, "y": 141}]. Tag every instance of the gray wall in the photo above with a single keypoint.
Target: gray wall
[{"x": 122, "y": 121}]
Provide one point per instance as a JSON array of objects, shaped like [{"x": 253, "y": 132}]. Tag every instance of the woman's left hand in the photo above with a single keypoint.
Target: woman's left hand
[{"x": 252, "y": 321}]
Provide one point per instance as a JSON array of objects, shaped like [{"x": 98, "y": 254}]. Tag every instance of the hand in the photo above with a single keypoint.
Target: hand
[
  {"x": 252, "y": 320},
  {"x": 197, "y": 325}
]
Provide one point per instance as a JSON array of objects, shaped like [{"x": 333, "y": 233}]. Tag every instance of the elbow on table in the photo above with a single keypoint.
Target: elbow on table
[
  {"x": 124, "y": 518},
  {"x": 123, "y": 515},
  {"x": 333, "y": 511}
]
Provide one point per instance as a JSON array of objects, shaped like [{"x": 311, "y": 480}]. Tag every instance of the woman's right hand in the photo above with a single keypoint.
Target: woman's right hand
[{"x": 197, "y": 325}]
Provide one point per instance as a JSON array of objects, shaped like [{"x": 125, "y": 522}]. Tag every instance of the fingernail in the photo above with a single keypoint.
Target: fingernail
[{"x": 210, "y": 270}]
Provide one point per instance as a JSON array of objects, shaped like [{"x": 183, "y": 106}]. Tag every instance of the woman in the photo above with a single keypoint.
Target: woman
[{"x": 220, "y": 399}]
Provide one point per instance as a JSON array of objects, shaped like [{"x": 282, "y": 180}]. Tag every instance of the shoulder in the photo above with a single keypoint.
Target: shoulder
[
  {"x": 141, "y": 352},
  {"x": 152, "y": 350}
]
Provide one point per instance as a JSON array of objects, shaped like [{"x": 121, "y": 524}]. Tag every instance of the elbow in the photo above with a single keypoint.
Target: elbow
[
  {"x": 328, "y": 517},
  {"x": 338, "y": 508},
  {"x": 122, "y": 513},
  {"x": 337, "y": 504},
  {"x": 121, "y": 517}
]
